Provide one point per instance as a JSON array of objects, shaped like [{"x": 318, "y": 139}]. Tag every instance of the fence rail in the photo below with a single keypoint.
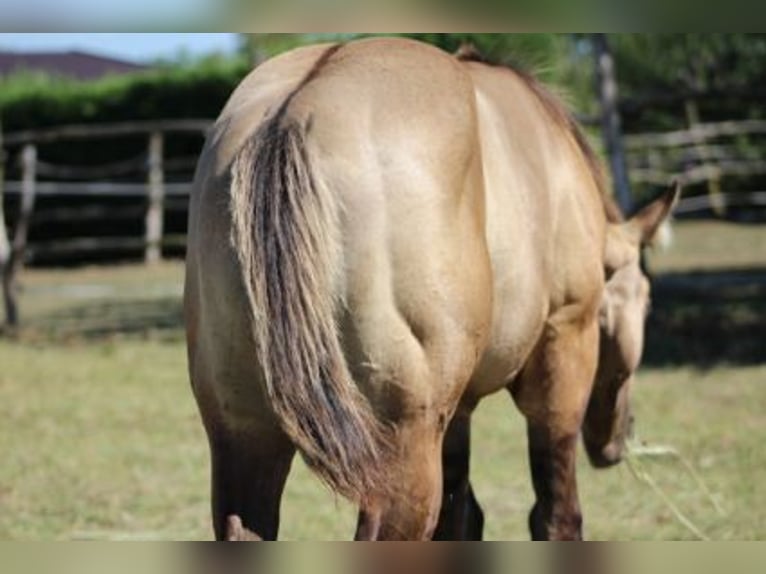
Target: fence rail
[
  {"x": 695, "y": 133},
  {"x": 704, "y": 202},
  {"x": 152, "y": 164},
  {"x": 160, "y": 196},
  {"x": 101, "y": 188},
  {"x": 705, "y": 152}
]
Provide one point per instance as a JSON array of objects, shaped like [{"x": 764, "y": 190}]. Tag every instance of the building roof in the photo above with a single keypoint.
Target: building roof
[{"x": 77, "y": 65}]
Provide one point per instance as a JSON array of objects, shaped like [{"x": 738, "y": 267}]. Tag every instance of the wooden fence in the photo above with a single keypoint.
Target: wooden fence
[
  {"x": 704, "y": 153},
  {"x": 91, "y": 182}
]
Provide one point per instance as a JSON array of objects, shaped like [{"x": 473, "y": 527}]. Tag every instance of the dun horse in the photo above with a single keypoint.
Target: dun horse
[{"x": 380, "y": 235}]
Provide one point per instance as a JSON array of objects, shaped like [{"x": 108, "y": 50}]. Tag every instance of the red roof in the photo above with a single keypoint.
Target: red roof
[{"x": 78, "y": 65}]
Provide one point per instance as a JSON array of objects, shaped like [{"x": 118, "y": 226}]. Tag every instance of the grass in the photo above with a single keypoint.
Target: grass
[
  {"x": 712, "y": 245},
  {"x": 709, "y": 296},
  {"x": 101, "y": 439}
]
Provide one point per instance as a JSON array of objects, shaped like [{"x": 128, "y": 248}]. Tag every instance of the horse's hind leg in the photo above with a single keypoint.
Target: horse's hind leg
[
  {"x": 410, "y": 509},
  {"x": 553, "y": 393},
  {"x": 461, "y": 517},
  {"x": 249, "y": 473}
]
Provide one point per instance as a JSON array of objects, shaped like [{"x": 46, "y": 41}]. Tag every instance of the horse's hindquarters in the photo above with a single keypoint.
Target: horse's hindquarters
[
  {"x": 411, "y": 281},
  {"x": 417, "y": 284}
]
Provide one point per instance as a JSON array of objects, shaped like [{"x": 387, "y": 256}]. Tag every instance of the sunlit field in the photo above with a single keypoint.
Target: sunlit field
[{"x": 101, "y": 439}]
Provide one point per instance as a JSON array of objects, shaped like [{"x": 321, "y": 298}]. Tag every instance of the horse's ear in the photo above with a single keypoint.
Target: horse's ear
[
  {"x": 644, "y": 224},
  {"x": 624, "y": 240}
]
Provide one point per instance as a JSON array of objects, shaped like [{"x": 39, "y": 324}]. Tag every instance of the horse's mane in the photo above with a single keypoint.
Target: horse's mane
[{"x": 562, "y": 116}]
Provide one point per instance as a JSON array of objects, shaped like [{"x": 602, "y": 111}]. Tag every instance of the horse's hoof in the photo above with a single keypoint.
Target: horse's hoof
[{"x": 236, "y": 531}]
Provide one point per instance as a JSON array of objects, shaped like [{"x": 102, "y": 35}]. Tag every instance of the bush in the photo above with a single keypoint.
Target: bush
[
  {"x": 196, "y": 91},
  {"x": 199, "y": 90}
]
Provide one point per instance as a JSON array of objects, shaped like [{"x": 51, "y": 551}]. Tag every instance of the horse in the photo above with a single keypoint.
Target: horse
[{"x": 380, "y": 235}]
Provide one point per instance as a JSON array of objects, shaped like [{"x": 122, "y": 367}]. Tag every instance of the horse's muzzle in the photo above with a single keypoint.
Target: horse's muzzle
[{"x": 605, "y": 455}]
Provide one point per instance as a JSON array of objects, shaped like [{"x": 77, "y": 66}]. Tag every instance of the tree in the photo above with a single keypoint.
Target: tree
[{"x": 690, "y": 62}]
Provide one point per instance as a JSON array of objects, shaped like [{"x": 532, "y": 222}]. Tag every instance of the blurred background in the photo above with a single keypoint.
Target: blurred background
[{"x": 99, "y": 136}]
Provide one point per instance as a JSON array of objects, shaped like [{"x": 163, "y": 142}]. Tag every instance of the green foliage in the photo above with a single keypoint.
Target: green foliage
[
  {"x": 543, "y": 53},
  {"x": 664, "y": 80},
  {"x": 539, "y": 53},
  {"x": 660, "y": 74},
  {"x": 198, "y": 91},
  {"x": 689, "y": 62},
  {"x": 259, "y": 47},
  {"x": 646, "y": 64}
]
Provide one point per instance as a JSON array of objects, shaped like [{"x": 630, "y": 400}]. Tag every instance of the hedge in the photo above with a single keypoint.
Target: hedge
[{"x": 199, "y": 91}]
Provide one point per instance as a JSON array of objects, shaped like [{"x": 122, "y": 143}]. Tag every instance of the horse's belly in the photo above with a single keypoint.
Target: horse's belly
[
  {"x": 517, "y": 235},
  {"x": 518, "y": 319}
]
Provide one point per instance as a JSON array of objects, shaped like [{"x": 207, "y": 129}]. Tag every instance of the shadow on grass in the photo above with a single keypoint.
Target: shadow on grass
[
  {"x": 698, "y": 318},
  {"x": 156, "y": 318},
  {"x": 704, "y": 318}
]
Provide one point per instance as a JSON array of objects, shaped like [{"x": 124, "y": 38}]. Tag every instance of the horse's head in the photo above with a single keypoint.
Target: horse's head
[{"x": 623, "y": 311}]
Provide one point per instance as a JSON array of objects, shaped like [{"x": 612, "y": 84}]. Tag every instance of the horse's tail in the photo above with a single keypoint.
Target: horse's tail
[{"x": 286, "y": 236}]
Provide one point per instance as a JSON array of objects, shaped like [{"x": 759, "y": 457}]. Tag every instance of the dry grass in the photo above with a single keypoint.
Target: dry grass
[
  {"x": 100, "y": 436},
  {"x": 699, "y": 245}
]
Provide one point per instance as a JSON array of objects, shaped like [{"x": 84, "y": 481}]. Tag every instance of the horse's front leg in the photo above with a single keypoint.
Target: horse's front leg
[
  {"x": 553, "y": 393},
  {"x": 556, "y": 513}
]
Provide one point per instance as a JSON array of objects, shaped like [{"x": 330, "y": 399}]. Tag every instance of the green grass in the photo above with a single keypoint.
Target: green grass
[
  {"x": 711, "y": 245},
  {"x": 101, "y": 438}
]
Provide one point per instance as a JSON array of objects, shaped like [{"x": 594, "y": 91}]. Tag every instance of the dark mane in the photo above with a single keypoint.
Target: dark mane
[
  {"x": 467, "y": 52},
  {"x": 561, "y": 116}
]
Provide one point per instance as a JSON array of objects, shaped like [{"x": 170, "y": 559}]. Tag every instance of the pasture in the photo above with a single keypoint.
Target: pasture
[{"x": 102, "y": 440}]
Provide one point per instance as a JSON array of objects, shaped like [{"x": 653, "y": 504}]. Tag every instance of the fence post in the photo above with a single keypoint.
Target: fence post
[
  {"x": 154, "y": 212},
  {"x": 610, "y": 120},
  {"x": 717, "y": 203},
  {"x": 20, "y": 234},
  {"x": 5, "y": 246}
]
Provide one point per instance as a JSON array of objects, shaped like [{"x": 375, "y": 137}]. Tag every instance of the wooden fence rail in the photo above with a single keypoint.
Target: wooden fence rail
[
  {"x": 155, "y": 190},
  {"x": 704, "y": 203},
  {"x": 705, "y": 131},
  {"x": 101, "y": 188},
  {"x": 703, "y": 152}
]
